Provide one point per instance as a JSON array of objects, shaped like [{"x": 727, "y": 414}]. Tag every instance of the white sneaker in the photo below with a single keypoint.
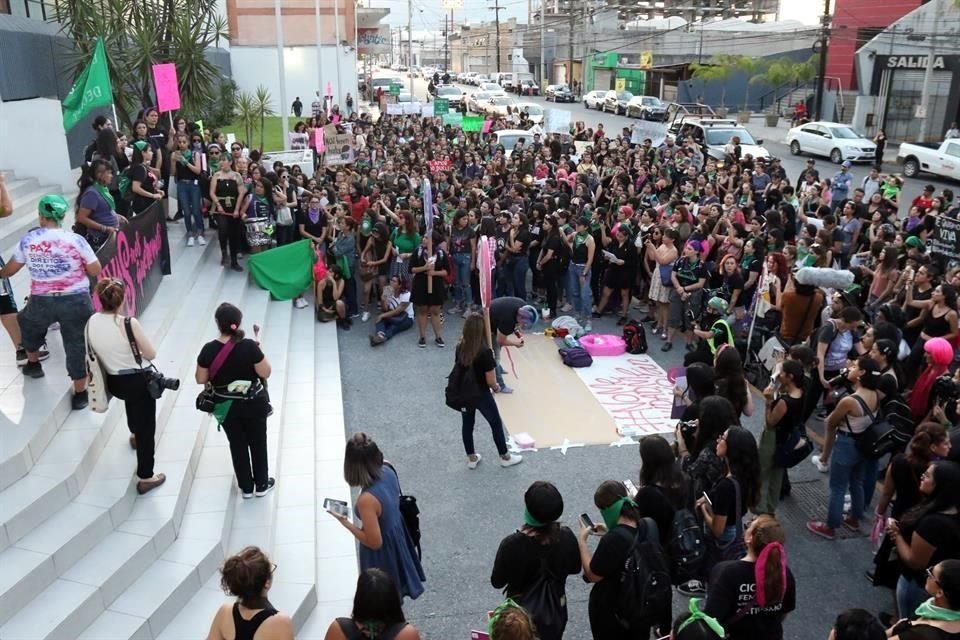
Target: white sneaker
[
  {"x": 472, "y": 464},
  {"x": 365, "y": 317},
  {"x": 566, "y": 308},
  {"x": 545, "y": 313},
  {"x": 190, "y": 241},
  {"x": 201, "y": 241},
  {"x": 511, "y": 460},
  {"x": 588, "y": 327},
  {"x": 300, "y": 303},
  {"x": 822, "y": 468}
]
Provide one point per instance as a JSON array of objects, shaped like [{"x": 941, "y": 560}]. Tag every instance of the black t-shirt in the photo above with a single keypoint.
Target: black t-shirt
[
  {"x": 732, "y": 588},
  {"x": 724, "y": 499},
  {"x": 607, "y": 562},
  {"x": 753, "y": 266},
  {"x": 942, "y": 532},
  {"x": 688, "y": 272},
  {"x": 520, "y": 557},
  {"x": 239, "y": 365},
  {"x": 140, "y": 173},
  {"x": 653, "y": 503},
  {"x": 483, "y": 363},
  {"x": 906, "y": 482},
  {"x": 523, "y": 239},
  {"x": 503, "y": 315},
  {"x": 556, "y": 244},
  {"x": 313, "y": 228}
]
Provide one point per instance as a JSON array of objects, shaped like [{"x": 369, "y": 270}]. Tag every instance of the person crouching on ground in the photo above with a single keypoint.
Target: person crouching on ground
[
  {"x": 60, "y": 263},
  {"x": 713, "y": 331},
  {"x": 396, "y": 313},
  {"x": 509, "y": 316}
]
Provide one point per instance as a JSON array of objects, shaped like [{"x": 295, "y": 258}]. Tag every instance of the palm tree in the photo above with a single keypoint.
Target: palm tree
[
  {"x": 749, "y": 67},
  {"x": 139, "y": 34},
  {"x": 717, "y": 69},
  {"x": 263, "y": 104},
  {"x": 247, "y": 116}
]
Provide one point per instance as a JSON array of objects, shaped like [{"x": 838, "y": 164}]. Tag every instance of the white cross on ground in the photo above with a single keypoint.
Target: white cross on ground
[{"x": 566, "y": 445}]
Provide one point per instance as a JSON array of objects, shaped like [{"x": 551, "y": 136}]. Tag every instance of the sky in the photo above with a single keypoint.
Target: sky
[{"x": 427, "y": 14}]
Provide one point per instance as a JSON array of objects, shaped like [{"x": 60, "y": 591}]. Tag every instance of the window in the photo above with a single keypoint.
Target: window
[{"x": 953, "y": 149}]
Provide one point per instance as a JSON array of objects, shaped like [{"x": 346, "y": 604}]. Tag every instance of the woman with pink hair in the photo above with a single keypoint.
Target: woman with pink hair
[{"x": 938, "y": 354}]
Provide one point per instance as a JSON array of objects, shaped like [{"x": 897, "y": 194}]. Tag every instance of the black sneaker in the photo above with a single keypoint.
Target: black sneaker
[
  {"x": 43, "y": 354},
  {"x": 33, "y": 370},
  {"x": 79, "y": 400},
  {"x": 264, "y": 489},
  {"x": 439, "y": 342},
  {"x": 666, "y": 346},
  {"x": 422, "y": 343},
  {"x": 22, "y": 357}
]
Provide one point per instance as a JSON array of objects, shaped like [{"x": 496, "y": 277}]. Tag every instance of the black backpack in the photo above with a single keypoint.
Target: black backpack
[
  {"x": 463, "y": 391},
  {"x": 646, "y": 595},
  {"x": 546, "y": 602},
  {"x": 686, "y": 547},
  {"x": 410, "y": 512},
  {"x": 634, "y": 337}
]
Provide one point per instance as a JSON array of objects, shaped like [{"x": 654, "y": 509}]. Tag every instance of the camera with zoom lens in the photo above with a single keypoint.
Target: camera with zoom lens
[
  {"x": 157, "y": 383},
  {"x": 838, "y": 388},
  {"x": 946, "y": 392}
]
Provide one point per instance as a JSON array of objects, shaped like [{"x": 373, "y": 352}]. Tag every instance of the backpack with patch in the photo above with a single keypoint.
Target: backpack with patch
[
  {"x": 576, "y": 357},
  {"x": 463, "y": 389},
  {"x": 546, "y": 602},
  {"x": 686, "y": 547},
  {"x": 646, "y": 595},
  {"x": 634, "y": 337}
]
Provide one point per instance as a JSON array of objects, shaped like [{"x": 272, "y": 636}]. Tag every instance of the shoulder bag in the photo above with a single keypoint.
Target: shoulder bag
[
  {"x": 99, "y": 395},
  {"x": 205, "y": 399},
  {"x": 736, "y": 548},
  {"x": 156, "y": 381},
  {"x": 410, "y": 513}
]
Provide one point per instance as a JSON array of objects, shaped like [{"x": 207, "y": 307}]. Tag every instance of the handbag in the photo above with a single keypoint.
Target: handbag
[
  {"x": 666, "y": 273},
  {"x": 410, "y": 512},
  {"x": 793, "y": 450},
  {"x": 97, "y": 392},
  {"x": 205, "y": 399},
  {"x": 284, "y": 217}
]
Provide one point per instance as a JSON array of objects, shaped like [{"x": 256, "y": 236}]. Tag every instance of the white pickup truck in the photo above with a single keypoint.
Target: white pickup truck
[{"x": 938, "y": 159}]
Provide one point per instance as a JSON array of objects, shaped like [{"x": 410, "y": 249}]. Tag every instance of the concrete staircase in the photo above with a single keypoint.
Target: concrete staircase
[{"x": 85, "y": 557}]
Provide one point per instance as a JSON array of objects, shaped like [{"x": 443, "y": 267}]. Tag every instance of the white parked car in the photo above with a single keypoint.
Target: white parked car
[
  {"x": 509, "y": 137},
  {"x": 486, "y": 85},
  {"x": 594, "y": 99},
  {"x": 836, "y": 141},
  {"x": 478, "y": 100},
  {"x": 534, "y": 111},
  {"x": 498, "y": 105}
]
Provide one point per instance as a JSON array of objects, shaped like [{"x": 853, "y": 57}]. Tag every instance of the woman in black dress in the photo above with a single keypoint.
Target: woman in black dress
[
  {"x": 551, "y": 255},
  {"x": 881, "y": 141},
  {"x": 225, "y": 194},
  {"x": 621, "y": 270},
  {"x": 429, "y": 262}
]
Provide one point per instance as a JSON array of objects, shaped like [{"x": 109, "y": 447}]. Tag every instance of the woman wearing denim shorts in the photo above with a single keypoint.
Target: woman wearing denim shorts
[{"x": 60, "y": 263}]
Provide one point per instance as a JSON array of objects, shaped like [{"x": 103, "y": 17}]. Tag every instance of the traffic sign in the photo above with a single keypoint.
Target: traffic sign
[{"x": 441, "y": 106}]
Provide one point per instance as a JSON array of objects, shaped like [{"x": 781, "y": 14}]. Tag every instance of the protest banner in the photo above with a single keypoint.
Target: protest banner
[
  {"x": 138, "y": 255},
  {"x": 411, "y": 108},
  {"x": 556, "y": 121},
  {"x": 395, "y": 109},
  {"x": 473, "y": 123},
  {"x": 340, "y": 148},
  {"x": 453, "y": 119},
  {"x": 945, "y": 241},
  {"x": 439, "y": 165},
  {"x": 165, "y": 82},
  {"x": 656, "y": 131}
]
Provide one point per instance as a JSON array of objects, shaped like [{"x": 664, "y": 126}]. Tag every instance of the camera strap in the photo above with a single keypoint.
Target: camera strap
[{"x": 134, "y": 348}]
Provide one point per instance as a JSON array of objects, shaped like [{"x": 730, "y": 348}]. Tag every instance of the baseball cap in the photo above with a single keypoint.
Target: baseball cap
[
  {"x": 914, "y": 242},
  {"x": 846, "y": 164}
]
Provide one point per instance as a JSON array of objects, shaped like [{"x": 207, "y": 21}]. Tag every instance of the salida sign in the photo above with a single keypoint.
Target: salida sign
[{"x": 914, "y": 62}]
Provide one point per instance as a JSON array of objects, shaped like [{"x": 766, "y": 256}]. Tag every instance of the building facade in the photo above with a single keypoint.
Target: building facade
[{"x": 474, "y": 48}]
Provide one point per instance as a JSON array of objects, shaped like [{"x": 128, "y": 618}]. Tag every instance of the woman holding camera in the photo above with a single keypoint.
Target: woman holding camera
[
  {"x": 235, "y": 367},
  {"x": 108, "y": 338}
]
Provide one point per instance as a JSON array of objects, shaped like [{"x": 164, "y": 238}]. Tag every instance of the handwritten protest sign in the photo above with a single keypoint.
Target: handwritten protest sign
[
  {"x": 439, "y": 165},
  {"x": 945, "y": 240},
  {"x": 340, "y": 149},
  {"x": 165, "y": 82}
]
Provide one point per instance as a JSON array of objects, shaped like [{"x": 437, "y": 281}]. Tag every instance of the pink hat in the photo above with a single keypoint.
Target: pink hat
[{"x": 941, "y": 352}]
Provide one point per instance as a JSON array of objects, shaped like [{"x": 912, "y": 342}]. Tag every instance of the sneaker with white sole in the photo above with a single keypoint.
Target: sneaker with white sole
[
  {"x": 510, "y": 460},
  {"x": 588, "y": 327},
  {"x": 190, "y": 241},
  {"x": 300, "y": 303},
  {"x": 475, "y": 462},
  {"x": 264, "y": 489},
  {"x": 365, "y": 316},
  {"x": 822, "y": 468},
  {"x": 506, "y": 389},
  {"x": 201, "y": 241}
]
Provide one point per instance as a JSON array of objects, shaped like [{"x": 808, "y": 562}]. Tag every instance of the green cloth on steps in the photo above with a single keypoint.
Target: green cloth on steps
[{"x": 286, "y": 272}]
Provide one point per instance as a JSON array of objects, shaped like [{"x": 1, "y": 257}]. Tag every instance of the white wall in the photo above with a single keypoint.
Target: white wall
[
  {"x": 253, "y": 66},
  {"x": 35, "y": 128}
]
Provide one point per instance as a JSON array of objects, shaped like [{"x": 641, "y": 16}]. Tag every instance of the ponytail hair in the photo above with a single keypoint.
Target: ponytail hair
[
  {"x": 927, "y": 434},
  {"x": 228, "y": 319},
  {"x": 770, "y": 570}
]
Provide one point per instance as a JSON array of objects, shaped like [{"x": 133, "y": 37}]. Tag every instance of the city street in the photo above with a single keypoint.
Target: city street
[{"x": 773, "y": 140}]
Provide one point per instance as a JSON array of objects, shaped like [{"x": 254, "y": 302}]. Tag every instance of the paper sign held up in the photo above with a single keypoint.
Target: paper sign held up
[{"x": 165, "y": 82}]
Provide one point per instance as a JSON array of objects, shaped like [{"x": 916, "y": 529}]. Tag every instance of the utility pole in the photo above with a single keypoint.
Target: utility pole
[
  {"x": 410, "y": 44},
  {"x": 924, "y": 109},
  {"x": 543, "y": 63},
  {"x": 497, "y": 9},
  {"x": 446, "y": 31},
  {"x": 822, "y": 73},
  {"x": 284, "y": 106},
  {"x": 570, "y": 45}
]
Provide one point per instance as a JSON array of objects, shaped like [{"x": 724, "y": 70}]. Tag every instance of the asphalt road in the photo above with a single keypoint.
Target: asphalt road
[{"x": 773, "y": 141}]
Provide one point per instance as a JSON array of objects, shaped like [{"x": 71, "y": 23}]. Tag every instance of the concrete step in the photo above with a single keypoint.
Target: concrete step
[
  {"x": 110, "y": 497},
  {"x": 24, "y": 215},
  {"x": 57, "y": 451}
]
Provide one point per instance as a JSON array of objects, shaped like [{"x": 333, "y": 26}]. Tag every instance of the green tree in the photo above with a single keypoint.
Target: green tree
[
  {"x": 263, "y": 104},
  {"x": 142, "y": 33},
  {"x": 247, "y": 116},
  {"x": 749, "y": 67},
  {"x": 717, "y": 69}
]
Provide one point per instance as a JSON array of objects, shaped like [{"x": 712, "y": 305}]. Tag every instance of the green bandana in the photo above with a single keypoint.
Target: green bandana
[
  {"x": 530, "y": 521},
  {"x": 696, "y": 614},
  {"x": 106, "y": 195},
  {"x": 141, "y": 145},
  {"x": 499, "y": 611},
  {"x": 611, "y": 515},
  {"x": 581, "y": 238},
  {"x": 931, "y": 611}
]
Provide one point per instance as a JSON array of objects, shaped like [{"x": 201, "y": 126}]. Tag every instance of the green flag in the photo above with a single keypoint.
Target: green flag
[
  {"x": 473, "y": 123},
  {"x": 92, "y": 89},
  {"x": 284, "y": 271}
]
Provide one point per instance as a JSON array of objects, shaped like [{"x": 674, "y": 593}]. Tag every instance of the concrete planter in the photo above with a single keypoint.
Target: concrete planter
[
  {"x": 772, "y": 119},
  {"x": 743, "y": 117}
]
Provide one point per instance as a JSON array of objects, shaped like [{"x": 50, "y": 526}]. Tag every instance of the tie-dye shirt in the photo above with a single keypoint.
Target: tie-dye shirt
[{"x": 57, "y": 261}]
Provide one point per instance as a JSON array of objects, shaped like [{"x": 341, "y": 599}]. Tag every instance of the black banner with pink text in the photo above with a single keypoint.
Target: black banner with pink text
[{"x": 139, "y": 256}]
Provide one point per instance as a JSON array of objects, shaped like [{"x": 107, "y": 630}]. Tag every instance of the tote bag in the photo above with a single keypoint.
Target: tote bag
[{"x": 97, "y": 393}]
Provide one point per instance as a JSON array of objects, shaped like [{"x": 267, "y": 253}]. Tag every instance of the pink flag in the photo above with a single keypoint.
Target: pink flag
[
  {"x": 165, "y": 82},
  {"x": 329, "y": 89},
  {"x": 318, "y": 135},
  {"x": 485, "y": 269},
  {"x": 486, "y": 126}
]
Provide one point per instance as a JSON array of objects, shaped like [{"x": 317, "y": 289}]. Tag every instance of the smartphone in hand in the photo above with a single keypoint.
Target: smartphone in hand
[
  {"x": 337, "y": 507},
  {"x": 587, "y": 522}
]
